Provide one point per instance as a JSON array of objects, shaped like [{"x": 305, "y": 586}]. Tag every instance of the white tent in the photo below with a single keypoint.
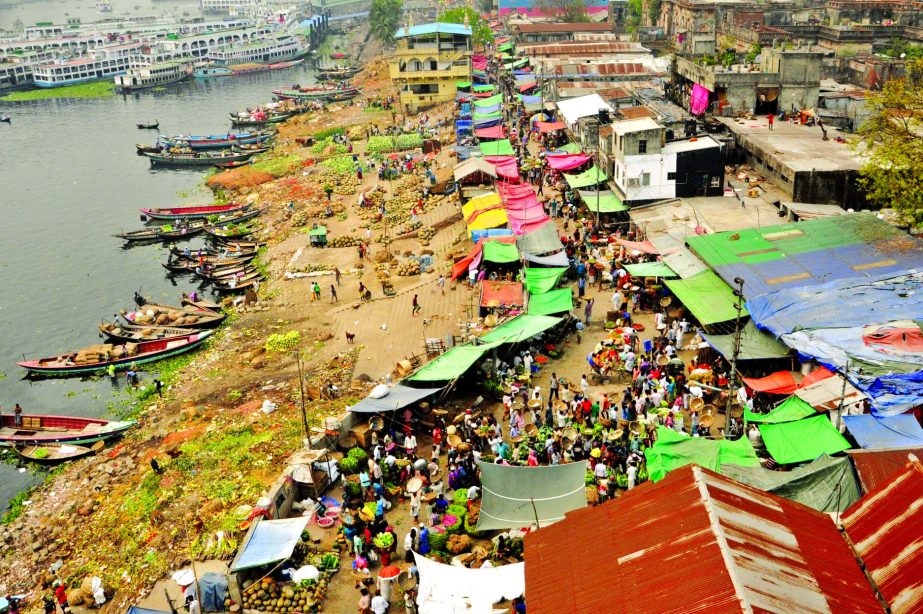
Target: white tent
[
  {"x": 573, "y": 109},
  {"x": 450, "y": 589}
]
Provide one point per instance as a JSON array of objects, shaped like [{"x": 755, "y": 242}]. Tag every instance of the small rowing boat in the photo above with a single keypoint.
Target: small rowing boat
[
  {"x": 150, "y": 126},
  {"x": 115, "y": 332},
  {"x": 193, "y": 300},
  {"x": 197, "y": 143},
  {"x": 41, "y": 429},
  {"x": 194, "y": 158},
  {"x": 232, "y": 165},
  {"x": 318, "y": 93},
  {"x": 53, "y": 453},
  {"x": 163, "y": 233},
  {"x": 188, "y": 213}
]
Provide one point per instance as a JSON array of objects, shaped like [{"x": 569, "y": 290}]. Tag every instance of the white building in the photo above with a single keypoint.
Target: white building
[{"x": 634, "y": 157}]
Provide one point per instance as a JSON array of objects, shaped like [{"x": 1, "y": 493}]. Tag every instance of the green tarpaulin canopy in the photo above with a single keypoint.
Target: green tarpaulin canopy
[
  {"x": 708, "y": 298},
  {"x": 320, "y": 231},
  {"x": 754, "y": 344},
  {"x": 673, "y": 450},
  {"x": 453, "y": 363},
  {"x": 789, "y": 410},
  {"x": 514, "y": 496},
  {"x": 520, "y": 328},
  {"x": 827, "y": 484},
  {"x": 553, "y": 301},
  {"x": 571, "y": 148},
  {"x": 483, "y": 88},
  {"x": 609, "y": 202},
  {"x": 502, "y": 147},
  {"x": 489, "y": 102},
  {"x": 494, "y": 115},
  {"x": 463, "y": 84},
  {"x": 803, "y": 440},
  {"x": 521, "y": 63},
  {"x": 650, "y": 269},
  {"x": 494, "y": 251},
  {"x": 505, "y": 47},
  {"x": 539, "y": 281},
  {"x": 591, "y": 176}
]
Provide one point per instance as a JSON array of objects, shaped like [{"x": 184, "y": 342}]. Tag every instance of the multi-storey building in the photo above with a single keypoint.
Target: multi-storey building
[{"x": 429, "y": 60}]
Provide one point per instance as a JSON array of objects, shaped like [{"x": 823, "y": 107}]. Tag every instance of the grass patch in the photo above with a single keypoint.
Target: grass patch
[{"x": 96, "y": 89}]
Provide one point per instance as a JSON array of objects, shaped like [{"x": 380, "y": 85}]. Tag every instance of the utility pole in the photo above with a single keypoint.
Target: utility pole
[
  {"x": 839, "y": 414},
  {"x": 732, "y": 389},
  {"x": 304, "y": 413}
]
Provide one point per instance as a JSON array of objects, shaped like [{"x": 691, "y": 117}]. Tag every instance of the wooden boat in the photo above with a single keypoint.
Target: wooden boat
[
  {"x": 180, "y": 213},
  {"x": 235, "y": 285},
  {"x": 208, "y": 317},
  {"x": 194, "y": 158},
  {"x": 115, "y": 332},
  {"x": 52, "y": 453},
  {"x": 225, "y": 141},
  {"x": 254, "y": 149},
  {"x": 338, "y": 72},
  {"x": 144, "y": 126},
  {"x": 232, "y": 165},
  {"x": 226, "y": 273},
  {"x": 234, "y": 249},
  {"x": 199, "y": 302},
  {"x": 317, "y": 93},
  {"x": 159, "y": 234},
  {"x": 229, "y": 233},
  {"x": 189, "y": 265},
  {"x": 271, "y": 118},
  {"x": 99, "y": 358},
  {"x": 145, "y": 149},
  {"x": 42, "y": 429}
]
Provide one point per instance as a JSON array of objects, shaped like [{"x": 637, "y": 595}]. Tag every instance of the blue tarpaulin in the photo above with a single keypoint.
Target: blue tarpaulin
[
  {"x": 133, "y": 609},
  {"x": 269, "y": 541},
  {"x": 893, "y": 394},
  {"x": 487, "y": 123},
  {"x": 463, "y": 125},
  {"x": 477, "y": 235},
  {"x": 398, "y": 397},
  {"x": 886, "y": 433},
  {"x": 531, "y": 99},
  {"x": 214, "y": 591}
]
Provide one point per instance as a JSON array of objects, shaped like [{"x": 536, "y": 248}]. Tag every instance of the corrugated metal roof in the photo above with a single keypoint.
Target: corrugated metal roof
[
  {"x": 579, "y": 48},
  {"x": 886, "y": 530},
  {"x": 635, "y": 112},
  {"x": 563, "y": 27},
  {"x": 875, "y": 467},
  {"x": 694, "y": 542}
]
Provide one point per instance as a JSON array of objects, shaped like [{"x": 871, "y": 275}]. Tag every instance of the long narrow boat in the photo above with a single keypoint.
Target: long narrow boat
[
  {"x": 319, "y": 93},
  {"x": 188, "y": 213},
  {"x": 98, "y": 358},
  {"x": 229, "y": 233},
  {"x": 236, "y": 285},
  {"x": 197, "y": 143},
  {"x": 232, "y": 165},
  {"x": 197, "y": 301},
  {"x": 52, "y": 453},
  {"x": 39, "y": 429},
  {"x": 142, "y": 317},
  {"x": 253, "y": 150},
  {"x": 230, "y": 250},
  {"x": 115, "y": 332},
  {"x": 195, "y": 158},
  {"x": 249, "y": 121},
  {"x": 160, "y": 234},
  {"x": 189, "y": 265},
  {"x": 225, "y": 273}
]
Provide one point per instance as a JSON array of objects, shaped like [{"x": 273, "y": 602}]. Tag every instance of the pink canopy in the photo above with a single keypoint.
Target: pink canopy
[
  {"x": 699, "y": 100},
  {"x": 506, "y": 166},
  {"x": 523, "y": 210},
  {"x": 550, "y": 126},
  {"x": 567, "y": 163},
  {"x": 525, "y": 87},
  {"x": 479, "y": 62},
  {"x": 645, "y": 247},
  {"x": 494, "y": 132}
]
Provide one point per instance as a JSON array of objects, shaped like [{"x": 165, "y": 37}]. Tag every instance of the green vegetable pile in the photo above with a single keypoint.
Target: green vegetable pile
[
  {"x": 360, "y": 455},
  {"x": 40, "y": 453},
  {"x": 348, "y": 465},
  {"x": 380, "y": 144},
  {"x": 279, "y": 166},
  {"x": 383, "y": 540},
  {"x": 283, "y": 342},
  {"x": 340, "y": 164},
  {"x": 409, "y": 141},
  {"x": 327, "y": 146}
]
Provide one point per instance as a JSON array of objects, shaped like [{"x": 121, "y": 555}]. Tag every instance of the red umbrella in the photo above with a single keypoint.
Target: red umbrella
[{"x": 391, "y": 571}]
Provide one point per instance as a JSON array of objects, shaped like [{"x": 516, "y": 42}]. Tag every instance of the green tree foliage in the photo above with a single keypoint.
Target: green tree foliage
[
  {"x": 480, "y": 30},
  {"x": 633, "y": 19},
  {"x": 385, "y": 19},
  {"x": 892, "y": 142},
  {"x": 899, "y": 47},
  {"x": 568, "y": 11}
]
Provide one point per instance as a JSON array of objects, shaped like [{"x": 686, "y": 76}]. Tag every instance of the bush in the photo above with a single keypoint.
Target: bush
[{"x": 360, "y": 455}]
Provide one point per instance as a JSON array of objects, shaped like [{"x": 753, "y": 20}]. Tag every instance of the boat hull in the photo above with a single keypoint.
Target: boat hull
[
  {"x": 187, "y": 160},
  {"x": 62, "y": 429},
  {"x": 189, "y": 213}
]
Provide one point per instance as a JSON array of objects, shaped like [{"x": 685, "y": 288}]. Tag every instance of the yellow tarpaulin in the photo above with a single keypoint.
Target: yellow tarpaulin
[{"x": 484, "y": 212}]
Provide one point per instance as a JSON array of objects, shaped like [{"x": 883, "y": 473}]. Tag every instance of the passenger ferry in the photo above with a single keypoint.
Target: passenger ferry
[
  {"x": 101, "y": 63},
  {"x": 153, "y": 75},
  {"x": 273, "y": 49}
]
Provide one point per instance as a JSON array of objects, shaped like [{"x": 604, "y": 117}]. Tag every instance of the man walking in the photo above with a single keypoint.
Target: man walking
[
  {"x": 588, "y": 311},
  {"x": 333, "y": 294},
  {"x": 771, "y": 119},
  {"x": 553, "y": 387},
  {"x": 416, "y": 306}
]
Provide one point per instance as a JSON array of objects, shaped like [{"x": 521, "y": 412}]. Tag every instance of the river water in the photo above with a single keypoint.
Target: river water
[{"x": 69, "y": 179}]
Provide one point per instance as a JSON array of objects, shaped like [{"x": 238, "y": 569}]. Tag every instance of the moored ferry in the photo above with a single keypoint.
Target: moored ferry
[
  {"x": 271, "y": 50},
  {"x": 101, "y": 63},
  {"x": 160, "y": 73}
]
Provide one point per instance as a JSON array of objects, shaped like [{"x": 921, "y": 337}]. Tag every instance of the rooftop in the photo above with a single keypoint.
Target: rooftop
[
  {"x": 433, "y": 28},
  {"x": 635, "y": 125},
  {"x": 532, "y": 28},
  {"x": 693, "y": 144},
  {"x": 580, "y": 48},
  {"x": 635, "y": 112}
]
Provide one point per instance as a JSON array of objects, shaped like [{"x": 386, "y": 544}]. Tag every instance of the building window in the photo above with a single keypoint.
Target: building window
[
  {"x": 671, "y": 176},
  {"x": 715, "y": 182},
  {"x": 642, "y": 147},
  {"x": 645, "y": 179}
]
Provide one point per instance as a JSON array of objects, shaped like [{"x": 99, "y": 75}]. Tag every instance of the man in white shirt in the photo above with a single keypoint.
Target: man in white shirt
[
  {"x": 527, "y": 364},
  {"x": 379, "y": 604}
]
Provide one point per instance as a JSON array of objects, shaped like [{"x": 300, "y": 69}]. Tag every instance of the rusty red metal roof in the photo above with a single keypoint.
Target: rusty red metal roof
[
  {"x": 875, "y": 467},
  {"x": 603, "y": 69},
  {"x": 694, "y": 542},
  {"x": 563, "y": 27},
  {"x": 886, "y": 531},
  {"x": 636, "y": 112},
  {"x": 579, "y": 48}
]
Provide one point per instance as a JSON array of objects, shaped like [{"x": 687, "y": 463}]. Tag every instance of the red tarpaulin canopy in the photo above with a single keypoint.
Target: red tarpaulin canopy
[
  {"x": 504, "y": 292},
  {"x": 460, "y": 268},
  {"x": 783, "y": 382},
  {"x": 525, "y": 87},
  {"x": 494, "y": 132},
  {"x": 642, "y": 246},
  {"x": 567, "y": 163},
  {"x": 506, "y": 166},
  {"x": 550, "y": 126}
]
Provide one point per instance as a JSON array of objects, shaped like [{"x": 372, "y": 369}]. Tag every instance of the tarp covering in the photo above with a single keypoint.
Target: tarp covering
[
  {"x": 489, "y": 112},
  {"x": 567, "y": 148},
  {"x": 699, "y": 101},
  {"x": 708, "y": 298},
  {"x": 544, "y": 127},
  {"x": 489, "y": 233},
  {"x": 500, "y": 147},
  {"x": 506, "y": 293},
  {"x": 450, "y": 589},
  {"x": 542, "y": 240},
  {"x": 506, "y": 166},
  {"x": 520, "y": 328},
  {"x": 269, "y": 541},
  {"x": 553, "y": 301},
  {"x": 885, "y": 433},
  {"x": 486, "y": 115},
  {"x": 559, "y": 259},
  {"x": 893, "y": 394},
  {"x": 484, "y": 212},
  {"x": 650, "y": 269},
  {"x": 320, "y": 231},
  {"x": 494, "y": 132},
  {"x": 606, "y": 201},
  {"x": 486, "y": 122},
  {"x": 495, "y": 251},
  {"x": 573, "y": 109},
  {"x": 214, "y": 588},
  {"x": 754, "y": 344},
  {"x": 780, "y": 382},
  {"x": 539, "y": 281},
  {"x": 673, "y": 450},
  {"x": 826, "y": 484},
  {"x": 791, "y": 409},
  {"x": 515, "y": 496},
  {"x": 568, "y": 162},
  {"x": 474, "y": 165},
  {"x": 480, "y": 203},
  {"x": 591, "y": 176},
  {"x": 453, "y": 363},
  {"x": 398, "y": 397},
  {"x": 484, "y": 88},
  {"x": 489, "y": 102},
  {"x": 802, "y": 440},
  {"x": 645, "y": 247}
]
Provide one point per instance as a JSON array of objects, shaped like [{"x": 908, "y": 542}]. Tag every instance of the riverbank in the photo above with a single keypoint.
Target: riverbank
[{"x": 95, "y": 89}]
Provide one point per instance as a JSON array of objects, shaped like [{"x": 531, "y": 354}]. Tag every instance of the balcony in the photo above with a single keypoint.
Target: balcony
[
  {"x": 461, "y": 73},
  {"x": 431, "y": 49}
]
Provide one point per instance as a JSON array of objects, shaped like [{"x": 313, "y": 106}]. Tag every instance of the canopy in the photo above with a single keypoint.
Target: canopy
[
  {"x": 567, "y": 148},
  {"x": 553, "y": 301},
  {"x": 567, "y": 162},
  {"x": 645, "y": 247},
  {"x": 559, "y": 259},
  {"x": 673, "y": 450},
  {"x": 490, "y": 233},
  {"x": 320, "y": 231},
  {"x": 826, "y": 484},
  {"x": 708, "y": 298},
  {"x": 453, "y": 363},
  {"x": 528, "y": 85},
  {"x": 893, "y": 394},
  {"x": 606, "y": 201},
  {"x": 754, "y": 343},
  {"x": 539, "y": 281},
  {"x": 506, "y": 166},
  {"x": 398, "y": 397},
  {"x": 494, "y": 132},
  {"x": 483, "y": 88},
  {"x": 462, "y": 84},
  {"x": 483, "y": 202},
  {"x": 472, "y": 166},
  {"x": 507, "y": 293},
  {"x": 445, "y": 589},
  {"x": 544, "y": 127},
  {"x": 520, "y": 328},
  {"x": 790, "y": 410},
  {"x": 489, "y": 102},
  {"x": 780, "y": 382},
  {"x": 591, "y": 176},
  {"x": 542, "y": 240},
  {"x": 582, "y": 106},
  {"x": 484, "y": 212},
  {"x": 483, "y": 115},
  {"x": 885, "y": 433},
  {"x": 518, "y": 496},
  {"x": 802, "y": 440},
  {"x": 650, "y": 269},
  {"x": 505, "y": 46},
  {"x": 501, "y": 147},
  {"x": 495, "y": 251},
  {"x": 269, "y": 541}
]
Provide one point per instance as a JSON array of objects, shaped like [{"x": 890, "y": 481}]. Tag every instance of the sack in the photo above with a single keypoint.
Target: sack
[{"x": 373, "y": 556}]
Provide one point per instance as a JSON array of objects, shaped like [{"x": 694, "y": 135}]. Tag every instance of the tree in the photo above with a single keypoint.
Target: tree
[
  {"x": 385, "y": 18},
  {"x": 568, "y": 11},
  {"x": 633, "y": 18},
  {"x": 891, "y": 140},
  {"x": 480, "y": 30}
]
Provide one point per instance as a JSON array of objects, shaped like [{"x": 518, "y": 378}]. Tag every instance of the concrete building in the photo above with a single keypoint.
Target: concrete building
[
  {"x": 555, "y": 32},
  {"x": 429, "y": 60}
]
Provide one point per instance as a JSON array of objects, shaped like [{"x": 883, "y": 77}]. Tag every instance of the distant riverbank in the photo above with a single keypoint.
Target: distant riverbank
[{"x": 96, "y": 89}]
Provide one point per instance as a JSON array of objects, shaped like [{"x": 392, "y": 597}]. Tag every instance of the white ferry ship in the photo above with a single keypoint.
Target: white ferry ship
[
  {"x": 101, "y": 63},
  {"x": 153, "y": 75},
  {"x": 277, "y": 48}
]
